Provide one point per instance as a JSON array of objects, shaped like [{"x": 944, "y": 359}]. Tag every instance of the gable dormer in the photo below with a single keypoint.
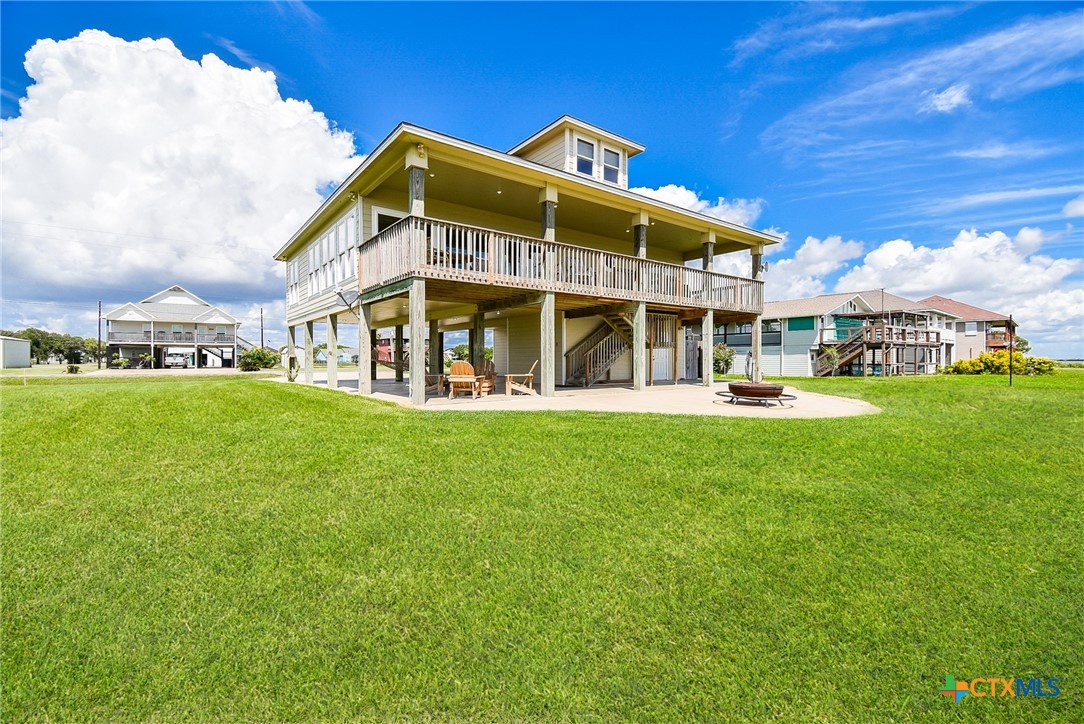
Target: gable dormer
[{"x": 568, "y": 144}]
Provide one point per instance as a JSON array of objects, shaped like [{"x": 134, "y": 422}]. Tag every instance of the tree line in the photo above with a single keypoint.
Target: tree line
[{"x": 68, "y": 347}]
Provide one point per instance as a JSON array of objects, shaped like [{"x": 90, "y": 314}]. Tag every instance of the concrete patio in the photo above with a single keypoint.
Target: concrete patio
[{"x": 666, "y": 399}]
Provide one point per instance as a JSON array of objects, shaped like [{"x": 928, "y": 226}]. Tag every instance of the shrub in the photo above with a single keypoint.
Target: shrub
[
  {"x": 722, "y": 358},
  {"x": 120, "y": 362},
  {"x": 257, "y": 358},
  {"x": 997, "y": 363},
  {"x": 73, "y": 369}
]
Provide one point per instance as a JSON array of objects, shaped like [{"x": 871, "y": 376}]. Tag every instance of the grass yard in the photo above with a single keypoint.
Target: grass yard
[{"x": 226, "y": 548}]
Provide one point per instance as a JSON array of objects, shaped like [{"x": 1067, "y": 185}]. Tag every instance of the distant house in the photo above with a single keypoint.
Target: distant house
[
  {"x": 874, "y": 333},
  {"x": 978, "y": 330},
  {"x": 174, "y": 324},
  {"x": 14, "y": 352}
]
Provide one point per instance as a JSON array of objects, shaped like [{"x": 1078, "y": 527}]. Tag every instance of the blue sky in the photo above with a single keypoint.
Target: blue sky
[{"x": 928, "y": 148}]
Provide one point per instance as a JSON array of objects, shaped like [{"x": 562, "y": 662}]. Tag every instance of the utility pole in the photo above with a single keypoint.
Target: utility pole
[
  {"x": 1012, "y": 339},
  {"x": 261, "y": 327},
  {"x": 99, "y": 334}
]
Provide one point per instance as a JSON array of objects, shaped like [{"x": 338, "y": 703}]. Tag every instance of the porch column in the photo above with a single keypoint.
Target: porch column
[
  {"x": 365, "y": 349},
  {"x": 547, "y": 201},
  {"x": 547, "y": 350},
  {"x": 291, "y": 348},
  {"x": 196, "y": 336},
  {"x": 639, "y": 317},
  {"x": 417, "y": 163},
  {"x": 309, "y": 357},
  {"x": 707, "y": 342},
  {"x": 478, "y": 340},
  {"x": 372, "y": 345},
  {"x": 436, "y": 352},
  {"x": 332, "y": 351},
  {"x": 417, "y": 334},
  {"x": 755, "y": 343},
  {"x": 397, "y": 354}
]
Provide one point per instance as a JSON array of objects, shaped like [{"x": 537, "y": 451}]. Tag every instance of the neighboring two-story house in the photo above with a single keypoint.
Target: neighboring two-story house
[
  {"x": 173, "y": 323},
  {"x": 978, "y": 330},
  {"x": 873, "y": 332},
  {"x": 544, "y": 244}
]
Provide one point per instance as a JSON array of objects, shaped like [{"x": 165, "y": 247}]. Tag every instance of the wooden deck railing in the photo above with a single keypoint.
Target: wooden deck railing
[
  {"x": 878, "y": 333},
  {"x": 167, "y": 337},
  {"x": 437, "y": 249}
]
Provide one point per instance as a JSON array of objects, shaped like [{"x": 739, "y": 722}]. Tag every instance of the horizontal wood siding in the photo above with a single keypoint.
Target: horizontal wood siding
[
  {"x": 551, "y": 153},
  {"x": 524, "y": 345}
]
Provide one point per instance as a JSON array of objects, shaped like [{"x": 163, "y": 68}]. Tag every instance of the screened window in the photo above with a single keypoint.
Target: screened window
[
  {"x": 332, "y": 257},
  {"x": 611, "y": 165},
  {"x": 585, "y": 157},
  {"x": 177, "y": 328},
  {"x": 971, "y": 328},
  {"x": 146, "y": 326}
]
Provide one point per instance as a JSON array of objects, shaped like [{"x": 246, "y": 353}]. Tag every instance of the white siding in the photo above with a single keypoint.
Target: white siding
[
  {"x": 551, "y": 153},
  {"x": 14, "y": 353}
]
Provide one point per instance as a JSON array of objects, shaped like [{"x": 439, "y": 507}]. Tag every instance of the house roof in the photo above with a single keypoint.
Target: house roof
[
  {"x": 184, "y": 306},
  {"x": 382, "y": 161},
  {"x": 870, "y": 300},
  {"x": 966, "y": 312},
  {"x": 631, "y": 147},
  {"x": 14, "y": 339}
]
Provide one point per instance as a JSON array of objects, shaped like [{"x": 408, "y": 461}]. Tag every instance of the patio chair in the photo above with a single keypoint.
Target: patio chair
[
  {"x": 520, "y": 382},
  {"x": 487, "y": 377},
  {"x": 461, "y": 378}
]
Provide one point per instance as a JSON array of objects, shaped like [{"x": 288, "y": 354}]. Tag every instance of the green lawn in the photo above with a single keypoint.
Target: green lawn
[{"x": 226, "y": 548}]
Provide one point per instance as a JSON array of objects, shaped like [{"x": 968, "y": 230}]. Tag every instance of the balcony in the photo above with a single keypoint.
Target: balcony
[
  {"x": 880, "y": 334},
  {"x": 169, "y": 338},
  {"x": 435, "y": 249}
]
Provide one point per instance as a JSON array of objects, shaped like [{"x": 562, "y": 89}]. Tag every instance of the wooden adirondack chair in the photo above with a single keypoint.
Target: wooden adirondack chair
[
  {"x": 520, "y": 382},
  {"x": 487, "y": 377},
  {"x": 461, "y": 378}
]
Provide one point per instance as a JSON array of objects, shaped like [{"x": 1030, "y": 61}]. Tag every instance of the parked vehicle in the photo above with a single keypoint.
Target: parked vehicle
[{"x": 177, "y": 360}]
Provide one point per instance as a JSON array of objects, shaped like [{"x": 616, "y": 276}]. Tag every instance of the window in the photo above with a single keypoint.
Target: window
[
  {"x": 332, "y": 257},
  {"x": 220, "y": 329},
  {"x": 770, "y": 325},
  {"x": 585, "y": 157},
  {"x": 971, "y": 328},
  {"x": 293, "y": 281},
  {"x": 177, "y": 328},
  {"x": 146, "y": 326},
  {"x": 611, "y": 165}
]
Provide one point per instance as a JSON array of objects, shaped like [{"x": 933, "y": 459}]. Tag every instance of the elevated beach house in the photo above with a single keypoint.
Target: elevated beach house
[
  {"x": 871, "y": 332},
  {"x": 977, "y": 330},
  {"x": 173, "y": 324},
  {"x": 544, "y": 244}
]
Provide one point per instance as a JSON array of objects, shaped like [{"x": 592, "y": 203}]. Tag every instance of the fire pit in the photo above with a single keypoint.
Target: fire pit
[{"x": 755, "y": 390}]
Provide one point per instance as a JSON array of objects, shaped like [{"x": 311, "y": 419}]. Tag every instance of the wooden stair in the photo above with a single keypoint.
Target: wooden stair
[
  {"x": 590, "y": 359},
  {"x": 848, "y": 349}
]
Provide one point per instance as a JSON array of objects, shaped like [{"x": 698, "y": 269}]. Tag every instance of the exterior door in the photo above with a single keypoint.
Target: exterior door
[{"x": 692, "y": 355}]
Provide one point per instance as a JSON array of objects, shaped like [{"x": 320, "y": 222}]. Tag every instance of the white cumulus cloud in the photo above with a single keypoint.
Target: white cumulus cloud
[
  {"x": 1074, "y": 208},
  {"x": 736, "y": 211},
  {"x": 802, "y": 275},
  {"x": 131, "y": 167}
]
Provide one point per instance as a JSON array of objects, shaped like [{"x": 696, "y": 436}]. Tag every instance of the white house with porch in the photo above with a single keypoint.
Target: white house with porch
[
  {"x": 175, "y": 324},
  {"x": 544, "y": 244}
]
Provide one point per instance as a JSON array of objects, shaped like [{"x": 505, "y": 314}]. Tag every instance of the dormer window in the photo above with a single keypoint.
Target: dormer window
[
  {"x": 585, "y": 157},
  {"x": 611, "y": 165}
]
